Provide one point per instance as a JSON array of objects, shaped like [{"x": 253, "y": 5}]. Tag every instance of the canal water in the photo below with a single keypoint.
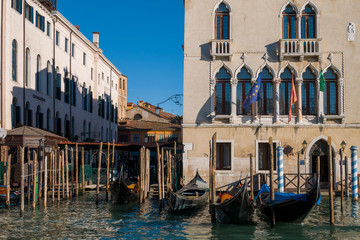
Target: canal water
[{"x": 81, "y": 218}]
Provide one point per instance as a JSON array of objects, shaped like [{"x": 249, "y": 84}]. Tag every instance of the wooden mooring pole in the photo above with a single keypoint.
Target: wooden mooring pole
[
  {"x": 8, "y": 179},
  {"x": 63, "y": 174},
  {"x": 67, "y": 171},
  {"x": 52, "y": 156},
  {"x": 168, "y": 170},
  {"x": 272, "y": 193},
  {"x": 45, "y": 182},
  {"x": 41, "y": 161},
  {"x": 147, "y": 173},
  {"x": 112, "y": 160},
  {"x": 34, "y": 180},
  {"x": 162, "y": 177},
  {"x": 331, "y": 178},
  {"x": 159, "y": 176},
  {"x": 76, "y": 169},
  {"x": 141, "y": 175},
  {"x": 251, "y": 177},
  {"x": 72, "y": 172},
  {"x": 59, "y": 174},
  {"x": 341, "y": 179},
  {"x": 83, "y": 170},
  {"x": 298, "y": 173},
  {"x": 346, "y": 176},
  {"x": 22, "y": 162},
  {"x": 213, "y": 178},
  {"x": 107, "y": 171},
  {"x": 98, "y": 173},
  {"x": 29, "y": 176}
]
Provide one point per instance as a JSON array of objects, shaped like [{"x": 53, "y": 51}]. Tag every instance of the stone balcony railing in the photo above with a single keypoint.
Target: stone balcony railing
[
  {"x": 221, "y": 48},
  {"x": 300, "y": 48}
]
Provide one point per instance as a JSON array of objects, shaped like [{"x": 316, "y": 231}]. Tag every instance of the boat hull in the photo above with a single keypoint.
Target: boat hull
[{"x": 121, "y": 193}]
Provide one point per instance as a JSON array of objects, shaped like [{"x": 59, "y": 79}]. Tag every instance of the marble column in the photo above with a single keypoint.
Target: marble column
[
  {"x": 233, "y": 85},
  {"x": 277, "y": 83},
  {"x": 299, "y": 100}
]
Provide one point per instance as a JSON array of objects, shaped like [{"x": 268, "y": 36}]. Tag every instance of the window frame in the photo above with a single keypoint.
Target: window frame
[
  {"x": 257, "y": 142},
  {"x": 288, "y": 24},
  {"x": 14, "y": 53},
  {"x": 305, "y": 89},
  {"x": 305, "y": 20},
  {"x": 221, "y": 168},
  {"x": 328, "y": 95},
  {"x": 244, "y": 91},
  {"x": 220, "y": 24},
  {"x": 263, "y": 94}
]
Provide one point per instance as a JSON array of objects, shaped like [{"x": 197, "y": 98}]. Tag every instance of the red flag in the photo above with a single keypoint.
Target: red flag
[{"x": 293, "y": 97}]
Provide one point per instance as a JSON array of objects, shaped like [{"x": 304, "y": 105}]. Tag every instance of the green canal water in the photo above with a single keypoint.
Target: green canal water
[{"x": 82, "y": 219}]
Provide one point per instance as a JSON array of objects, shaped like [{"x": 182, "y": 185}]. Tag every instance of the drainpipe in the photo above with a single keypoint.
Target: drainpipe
[
  {"x": 2, "y": 74},
  {"x": 70, "y": 77},
  {"x": 24, "y": 60},
  {"x": 54, "y": 74}
]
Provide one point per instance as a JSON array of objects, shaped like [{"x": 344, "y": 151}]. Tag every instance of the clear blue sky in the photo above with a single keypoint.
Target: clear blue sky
[{"x": 141, "y": 38}]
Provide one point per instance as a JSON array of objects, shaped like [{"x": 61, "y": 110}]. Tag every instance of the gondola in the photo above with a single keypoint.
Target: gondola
[
  {"x": 193, "y": 195},
  {"x": 288, "y": 207},
  {"x": 14, "y": 196},
  {"x": 122, "y": 192},
  {"x": 234, "y": 207}
]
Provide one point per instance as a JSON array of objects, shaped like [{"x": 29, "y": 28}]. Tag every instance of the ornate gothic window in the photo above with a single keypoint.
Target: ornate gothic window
[
  {"x": 38, "y": 73},
  {"x": 308, "y": 94},
  {"x": 331, "y": 93},
  {"x": 14, "y": 61},
  {"x": 222, "y": 22},
  {"x": 223, "y": 93},
  {"x": 308, "y": 23},
  {"x": 266, "y": 102},
  {"x": 243, "y": 87},
  {"x": 285, "y": 92},
  {"x": 289, "y": 23}
]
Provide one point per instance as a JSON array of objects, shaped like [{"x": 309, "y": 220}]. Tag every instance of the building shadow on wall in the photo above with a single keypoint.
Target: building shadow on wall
[
  {"x": 273, "y": 51},
  {"x": 203, "y": 116}
]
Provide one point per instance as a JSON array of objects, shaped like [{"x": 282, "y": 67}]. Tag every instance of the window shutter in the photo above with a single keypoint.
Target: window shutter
[
  {"x": 286, "y": 28},
  {"x": 293, "y": 27},
  {"x": 311, "y": 27},
  {"x": 20, "y": 6},
  {"x": 303, "y": 35},
  {"x": 37, "y": 19}
]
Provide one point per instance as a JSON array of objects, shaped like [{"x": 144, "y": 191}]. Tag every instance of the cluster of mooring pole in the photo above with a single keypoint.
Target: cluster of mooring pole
[
  {"x": 52, "y": 176},
  {"x": 164, "y": 181},
  {"x": 212, "y": 177}
]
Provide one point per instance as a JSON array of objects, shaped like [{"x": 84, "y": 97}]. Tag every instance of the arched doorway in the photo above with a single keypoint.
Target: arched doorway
[{"x": 320, "y": 151}]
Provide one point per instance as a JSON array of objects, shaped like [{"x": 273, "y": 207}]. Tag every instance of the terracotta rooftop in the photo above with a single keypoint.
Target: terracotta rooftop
[
  {"x": 151, "y": 108},
  {"x": 148, "y": 125}
]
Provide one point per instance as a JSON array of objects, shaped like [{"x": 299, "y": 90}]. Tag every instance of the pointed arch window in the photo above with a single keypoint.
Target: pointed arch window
[
  {"x": 48, "y": 79},
  {"x": 289, "y": 23},
  {"x": 242, "y": 89},
  {"x": 27, "y": 67},
  {"x": 58, "y": 124},
  {"x": 222, "y": 22},
  {"x": 67, "y": 126},
  {"x": 14, "y": 61},
  {"x": 308, "y": 94},
  {"x": 285, "y": 92},
  {"x": 15, "y": 114},
  {"x": 308, "y": 23},
  {"x": 266, "y": 102},
  {"x": 58, "y": 84},
  {"x": 222, "y": 92},
  {"x": 38, "y": 72},
  {"x": 48, "y": 120},
  {"x": 39, "y": 118},
  {"x": 28, "y": 114},
  {"x": 331, "y": 93}
]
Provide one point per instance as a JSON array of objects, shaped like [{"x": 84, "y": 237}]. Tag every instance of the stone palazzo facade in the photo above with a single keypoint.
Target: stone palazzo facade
[{"x": 229, "y": 43}]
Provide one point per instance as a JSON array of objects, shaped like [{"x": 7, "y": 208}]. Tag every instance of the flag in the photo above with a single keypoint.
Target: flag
[
  {"x": 322, "y": 81},
  {"x": 254, "y": 93},
  {"x": 293, "y": 98}
]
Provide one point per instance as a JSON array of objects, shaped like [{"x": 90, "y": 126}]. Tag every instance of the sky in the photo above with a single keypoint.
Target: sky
[{"x": 143, "y": 39}]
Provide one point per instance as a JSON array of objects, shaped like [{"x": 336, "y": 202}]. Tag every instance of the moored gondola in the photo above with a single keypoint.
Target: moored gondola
[
  {"x": 14, "y": 196},
  {"x": 235, "y": 206},
  {"x": 288, "y": 207},
  {"x": 122, "y": 192},
  {"x": 194, "y": 195}
]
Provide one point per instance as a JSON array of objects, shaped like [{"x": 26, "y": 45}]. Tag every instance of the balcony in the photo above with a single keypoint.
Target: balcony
[
  {"x": 221, "y": 48},
  {"x": 300, "y": 48}
]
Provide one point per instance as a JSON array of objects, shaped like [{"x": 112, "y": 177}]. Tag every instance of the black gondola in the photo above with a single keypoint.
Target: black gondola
[
  {"x": 194, "y": 195},
  {"x": 236, "y": 208},
  {"x": 288, "y": 207},
  {"x": 123, "y": 193}
]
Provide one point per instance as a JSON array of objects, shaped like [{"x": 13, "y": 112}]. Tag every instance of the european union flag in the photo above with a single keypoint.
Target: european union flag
[{"x": 254, "y": 93}]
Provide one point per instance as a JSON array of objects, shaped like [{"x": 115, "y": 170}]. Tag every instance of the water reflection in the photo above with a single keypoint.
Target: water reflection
[{"x": 82, "y": 218}]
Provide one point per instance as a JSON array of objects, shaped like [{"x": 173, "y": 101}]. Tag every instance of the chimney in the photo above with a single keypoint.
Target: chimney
[
  {"x": 78, "y": 27},
  {"x": 96, "y": 38}
]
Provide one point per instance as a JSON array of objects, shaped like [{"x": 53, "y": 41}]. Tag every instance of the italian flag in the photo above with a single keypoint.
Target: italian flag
[{"x": 293, "y": 97}]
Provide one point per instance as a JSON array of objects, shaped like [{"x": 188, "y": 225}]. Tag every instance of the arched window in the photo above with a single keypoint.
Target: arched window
[
  {"x": 28, "y": 114},
  {"x": 88, "y": 100},
  {"x": 48, "y": 120},
  {"x": 266, "y": 102},
  {"x": 137, "y": 117},
  {"x": 84, "y": 93},
  {"x": 15, "y": 114},
  {"x": 38, "y": 72},
  {"x": 308, "y": 23},
  {"x": 84, "y": 130},
  {"x": 14, "y": 61},
  {"x": 222, "y": 22},
  {"x": 73, "y": 127},
  {"x": 48, "y": 79},
  {"x": 27, "y": 67},
  {"x": 285, "y": 92},
  {"x": 289, "y": 23},
  {"x": 39, "y": 118},
  {"x": 243, "y": 87},
  {"x": 89, "y": 132},
  {"x": 58, "y": 124},
  {"x": 222, "y": 93},
  {"x": 67, "y": 126},
  {"x": 58, "y": 84},
  {"x": 308, "y": 95},
  {"x": 331, "y": 93}
]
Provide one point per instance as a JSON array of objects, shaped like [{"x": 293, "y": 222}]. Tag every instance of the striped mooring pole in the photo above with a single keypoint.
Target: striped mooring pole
[
  {"x": 280, "y": 168},
  {"x": 354, "y": 174}
]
